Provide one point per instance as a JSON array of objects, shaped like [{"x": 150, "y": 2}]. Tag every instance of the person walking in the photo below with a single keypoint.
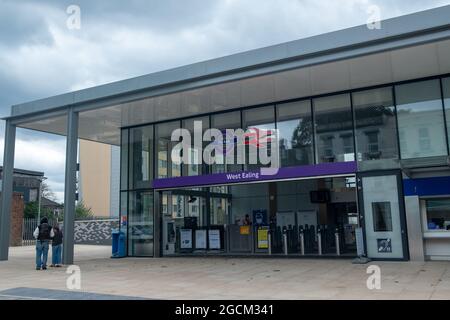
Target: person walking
[
  {"x": 56, "y": 246},
  {"x": 43, "y": 233}
]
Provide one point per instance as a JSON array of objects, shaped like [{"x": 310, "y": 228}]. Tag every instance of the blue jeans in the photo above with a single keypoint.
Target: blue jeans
[
  {"x": 56, "y": 254},
  {"x": 41, "y": 253}
]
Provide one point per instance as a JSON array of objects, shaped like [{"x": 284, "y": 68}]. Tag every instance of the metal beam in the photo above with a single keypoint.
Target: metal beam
[
  {"x": 7, "y": 189},
  {"x": 70, "y": 186}
]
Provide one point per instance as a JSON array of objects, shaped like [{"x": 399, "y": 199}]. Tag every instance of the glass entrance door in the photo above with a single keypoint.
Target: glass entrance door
[{"x": 383, "y": 215}]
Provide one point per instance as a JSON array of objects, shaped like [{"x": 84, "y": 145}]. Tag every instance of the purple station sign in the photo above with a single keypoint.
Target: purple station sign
[{"x": 317, "y": 170}]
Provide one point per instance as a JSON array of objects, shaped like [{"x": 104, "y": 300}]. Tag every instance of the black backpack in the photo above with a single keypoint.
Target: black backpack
[{"x": 44, "y": 232}]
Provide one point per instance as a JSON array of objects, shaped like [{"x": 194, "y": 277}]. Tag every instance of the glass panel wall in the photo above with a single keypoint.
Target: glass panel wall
[
  {"x": 223, "y": 121},
  {"x": 375, "y": 123},
  {"x": 446, "y": 89},
  {"x": 141, "y": 157},
  {"x": 193, "y": 169},
  {"x": 124, "y": 160},
  {"x": 420, "y": 119},
  {"x": 140, "y": 224},
  {"x": 294, "y": 124},
  {"x": 260, "y": 121},
  {"x": 438, "y": 214},
  {"x": 165, "y": 168},
  {"x": 334, "y": 129}
]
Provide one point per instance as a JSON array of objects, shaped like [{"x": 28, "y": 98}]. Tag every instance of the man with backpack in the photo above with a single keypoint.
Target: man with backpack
[{"x": 42, "y": 234}]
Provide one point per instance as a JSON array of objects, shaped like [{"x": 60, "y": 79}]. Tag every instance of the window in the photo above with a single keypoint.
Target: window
[
  {"x": 223, "y": 121},
  {"x": 124, "y": 160},
  {"x": 382, "y": 219},
  {"x": 140, "y": 224},
  {"x": 373, "y": 146},
  {"x": 333, "y": 119},
  {"x": 424, "y": 139},
  {"x": 438, "y": 214},
  {"x": 141, "y": 151},
  {"x": 375, "y": 124},
  {"x": 421, "y": 119},
  {"x": 196, "y": 163},
  {"x": 294, "y": 126},
  {"x": 262, "y": 121},
  {"x": 166, "y": 168},
  {"x": 446, "y": 89}
]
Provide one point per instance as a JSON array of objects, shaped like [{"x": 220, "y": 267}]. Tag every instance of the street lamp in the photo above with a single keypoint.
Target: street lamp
[{"x": 40, "y": 198}]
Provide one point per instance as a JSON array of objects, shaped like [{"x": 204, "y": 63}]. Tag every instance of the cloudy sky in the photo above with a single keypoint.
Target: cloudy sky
[{"x": 40, "y": 56}]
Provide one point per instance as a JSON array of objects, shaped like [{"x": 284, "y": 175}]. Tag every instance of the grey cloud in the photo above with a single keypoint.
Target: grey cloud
[{"x": 21, "y": 23}]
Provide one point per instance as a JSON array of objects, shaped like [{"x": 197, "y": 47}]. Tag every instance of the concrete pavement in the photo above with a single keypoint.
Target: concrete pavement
[{"x": 229, "y": 278}]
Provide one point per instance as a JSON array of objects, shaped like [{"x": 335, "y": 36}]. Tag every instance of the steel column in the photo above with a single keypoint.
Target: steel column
[
  {"x": 70, "y": 186},
  {"x": 7, "y": 189}
]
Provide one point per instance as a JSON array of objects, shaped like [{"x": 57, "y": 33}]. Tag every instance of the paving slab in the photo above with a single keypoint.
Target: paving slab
[{"x": 219, "y": 278}]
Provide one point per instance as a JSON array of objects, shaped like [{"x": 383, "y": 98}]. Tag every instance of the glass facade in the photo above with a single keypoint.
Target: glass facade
[
  {"x": 140, "y": 223},
  {"x": 260, "y": 121},
  {"x": 446, "y": 95},
  {"x": 333, "y": 129},
  {"x": 294, "y": 124},
  {"x": 165, "y": 167},
  {"x": 223, "y": 121},
  {"x": 195, "y": 154},
  {"x": 375, "y": 123},
  {"x": 141, "y": 157},
  {"x": 421, "y": 122},
  {"x": 404, "y": 121}
]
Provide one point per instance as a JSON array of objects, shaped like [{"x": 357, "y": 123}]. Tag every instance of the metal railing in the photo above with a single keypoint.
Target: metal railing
[{"x": 29, "y": 225}]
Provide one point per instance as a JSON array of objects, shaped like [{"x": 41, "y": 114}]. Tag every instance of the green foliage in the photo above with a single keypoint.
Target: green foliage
[
  {"x": 83, "y": 212},
  {"x": 31, "y": 210}
]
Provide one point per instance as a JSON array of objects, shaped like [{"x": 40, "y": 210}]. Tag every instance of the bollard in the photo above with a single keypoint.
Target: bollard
[
  {"x": 302, "y": 243},
  {"x": 319, "y": 240},
  {"x": 270, "y": 242},
  {"x": 285, "y": 243},
  {"x": 336, "y": 236}
]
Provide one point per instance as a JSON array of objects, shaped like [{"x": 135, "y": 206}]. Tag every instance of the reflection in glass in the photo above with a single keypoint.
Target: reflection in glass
[
  {"x": 420, "y": 119},
  {"x": 141, "y": 151},
  {"x": 334, "y": 129},
  {"x": 140, "y": 224},
  {"x": 261, "y": 121},
  {"x": 375, "y": 124},
  {"x": 382, "y": 217},
  {"x": 165, "y": 167},
  {"x": 223, "y": 121},
  {"x": 195, "y": 154},
  {"x": 446, "y": 89},
  {"x": 124, "y": 160},
  {"x": 295, "y": 133},
  {"x": 438, "y": 214}
]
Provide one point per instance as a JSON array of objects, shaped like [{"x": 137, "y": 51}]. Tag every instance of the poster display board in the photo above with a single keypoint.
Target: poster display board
[
  {"x": 186, "y": 238},
  {"x": 214, "y": 239},
  {"x": 263, "y": 238},
  {"x": 200, "y": 239}
]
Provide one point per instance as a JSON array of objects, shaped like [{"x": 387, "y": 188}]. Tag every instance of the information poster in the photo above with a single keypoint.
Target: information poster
[
  {"x": 186, "y": 238},
  {"x": 244, "y": 230},
  {"x": 263, "y": 238},
  {"x": 214, "y": 239},
  {"x": 200, "y": 239}
]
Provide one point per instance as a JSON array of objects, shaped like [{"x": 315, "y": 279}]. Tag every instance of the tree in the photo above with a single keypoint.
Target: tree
[
  {"x": 47, "y": 192},
  {"x": 83, "y": 212},
  {"x": 31, "y": 210}
]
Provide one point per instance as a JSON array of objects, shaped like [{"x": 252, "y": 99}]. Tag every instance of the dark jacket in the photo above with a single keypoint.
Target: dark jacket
[{"x": 57, "y": 237}]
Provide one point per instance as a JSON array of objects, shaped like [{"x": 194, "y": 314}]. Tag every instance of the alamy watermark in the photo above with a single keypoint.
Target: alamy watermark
[
  {"x": 374, "y": 280},
  {"x": 73, "y": 21},
  {"x": 73, "y": 281},
  {"x": 227, "y": 146}
]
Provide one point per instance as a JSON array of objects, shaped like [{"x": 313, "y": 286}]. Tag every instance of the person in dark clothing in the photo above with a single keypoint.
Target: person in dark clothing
[
  {"x": 42, "y": 234},
  {"x": 56, "y": 246}
]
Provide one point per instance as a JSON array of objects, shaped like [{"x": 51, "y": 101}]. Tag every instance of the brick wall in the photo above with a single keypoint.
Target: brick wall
[{"x": 17, "y": 207}]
